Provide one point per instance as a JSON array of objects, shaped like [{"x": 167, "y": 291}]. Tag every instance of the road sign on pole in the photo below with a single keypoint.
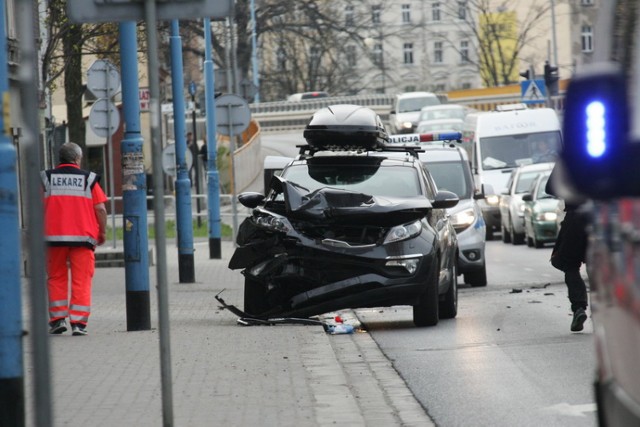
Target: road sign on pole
[
  {"x": 104, "y": 118},
  {"x": 533, "y": 91},
  {"x": 233, "y": 114},
  {"x": 103, "y": 79}
]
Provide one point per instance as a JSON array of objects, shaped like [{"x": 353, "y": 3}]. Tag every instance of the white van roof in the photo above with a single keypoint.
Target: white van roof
[{"x": 498, "y": 123}]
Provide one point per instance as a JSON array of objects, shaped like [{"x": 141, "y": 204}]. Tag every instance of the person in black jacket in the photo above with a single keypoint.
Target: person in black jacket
[{"x": 569, "y": 253}]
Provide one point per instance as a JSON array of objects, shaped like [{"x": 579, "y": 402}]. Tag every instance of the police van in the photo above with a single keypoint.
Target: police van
[
  {"x": 499, "y": 141},
  {"x": 600, "y": 158}
]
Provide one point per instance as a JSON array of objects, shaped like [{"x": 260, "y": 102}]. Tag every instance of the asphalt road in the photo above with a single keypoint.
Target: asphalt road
[{"x": 508, "y": 359}]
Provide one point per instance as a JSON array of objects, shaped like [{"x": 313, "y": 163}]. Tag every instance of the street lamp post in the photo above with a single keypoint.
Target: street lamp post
[{"x": 376, "y": 45}]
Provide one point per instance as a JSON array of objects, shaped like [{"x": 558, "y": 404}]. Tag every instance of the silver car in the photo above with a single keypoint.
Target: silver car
[
  {"x": 511, "y": 203},
  {"x": 450, "y": 168}
]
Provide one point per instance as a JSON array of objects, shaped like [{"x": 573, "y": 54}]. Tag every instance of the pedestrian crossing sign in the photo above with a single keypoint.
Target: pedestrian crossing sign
[{"x": 533, "y": 91}]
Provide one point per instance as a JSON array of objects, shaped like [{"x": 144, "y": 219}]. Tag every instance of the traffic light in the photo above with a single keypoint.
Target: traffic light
[
  {"x": 526, "y": 74},
  {"x": 551, "y": 78}
]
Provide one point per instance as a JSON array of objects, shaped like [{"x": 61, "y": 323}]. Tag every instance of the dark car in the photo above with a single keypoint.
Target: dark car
[
  {"x": 540, "y": 213},
  {"x": 350, "y": 223}
]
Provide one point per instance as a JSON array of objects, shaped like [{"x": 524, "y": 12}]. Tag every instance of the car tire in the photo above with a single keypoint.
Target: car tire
[
  {"x": 537, "y": 243},
  {"x": 488, "y": 234},
  {"x": 529, "y": 241},
  {"x": 425, "y": 312},
  {"x": 506, "y": 237},
  {"x": 516, "y": 238},
  {"x": 448, "y": 307},
  {"x": 476, "y": 278},
  {"x": 254, "y": 297}
]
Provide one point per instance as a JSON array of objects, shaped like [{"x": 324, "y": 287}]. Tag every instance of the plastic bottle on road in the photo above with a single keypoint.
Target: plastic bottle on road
[{"x": 340, "y": 328}]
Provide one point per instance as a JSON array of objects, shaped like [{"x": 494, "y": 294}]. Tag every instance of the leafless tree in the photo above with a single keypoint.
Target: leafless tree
[{"x": 500, "y": 34}]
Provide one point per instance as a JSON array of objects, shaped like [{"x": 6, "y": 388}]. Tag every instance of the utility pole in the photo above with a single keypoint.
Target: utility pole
[
  {"x": 134, "y": 188},
  {"x": 186, "y": 268},
  {"x": 213, "y": 178},
  {"x": 12, "y": 410}
]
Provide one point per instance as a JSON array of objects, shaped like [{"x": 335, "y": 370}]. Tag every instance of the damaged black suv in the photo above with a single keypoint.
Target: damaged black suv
[{"x": 350, "y": 223}]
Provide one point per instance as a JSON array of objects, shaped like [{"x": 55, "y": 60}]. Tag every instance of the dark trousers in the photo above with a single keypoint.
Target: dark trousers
[
  {"x": 577, "y": 289},
  {"x": 569, "y": 254}
]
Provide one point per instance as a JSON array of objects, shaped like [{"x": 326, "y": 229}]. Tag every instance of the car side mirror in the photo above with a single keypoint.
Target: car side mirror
[
  {"x": 599, "y": 159},
  {"x": 445, "y": 199},
  {"x": 392, "y": 111},
  {"x": 250, "y": 199},
  {"x": 505, "y": 192},
  {"x": 527, "y": 197},
  {"x": 478, "y": 195}
]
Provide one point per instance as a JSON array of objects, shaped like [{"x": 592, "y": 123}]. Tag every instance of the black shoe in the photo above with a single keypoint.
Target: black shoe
[
  {"x": 78, "y": 329},
  {"x": 579, "y": 317},
  {"x": 57, "y": 326}
]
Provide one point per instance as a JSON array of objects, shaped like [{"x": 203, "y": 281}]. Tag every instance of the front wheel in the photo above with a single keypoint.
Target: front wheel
[
  {"x": 477, "y": 278},
  {"x": 425, "y": 312},
  {"x": 506, "y": 237},
  {"x": 449, "y": 305},
  {"x": 254, "y": 297}
]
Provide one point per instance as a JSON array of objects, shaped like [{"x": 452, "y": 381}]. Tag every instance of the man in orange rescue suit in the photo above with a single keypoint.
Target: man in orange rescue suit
[{"x": 75, "y": 221}]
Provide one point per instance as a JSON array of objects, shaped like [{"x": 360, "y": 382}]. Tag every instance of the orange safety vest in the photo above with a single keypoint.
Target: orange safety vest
[{"x": 70, "y": 219}]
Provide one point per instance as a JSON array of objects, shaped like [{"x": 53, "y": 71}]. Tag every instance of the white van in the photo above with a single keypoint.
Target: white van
[{"x": 500, "y": 141}]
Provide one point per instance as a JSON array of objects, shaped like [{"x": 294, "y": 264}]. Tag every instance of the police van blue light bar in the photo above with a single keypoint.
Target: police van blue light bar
[
  {"x": 414, "y": 138},
  {"x": 595, "y": 127}
]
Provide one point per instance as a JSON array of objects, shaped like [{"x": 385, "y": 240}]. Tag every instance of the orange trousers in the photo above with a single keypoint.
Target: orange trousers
[{"x": 80, "y": 262}]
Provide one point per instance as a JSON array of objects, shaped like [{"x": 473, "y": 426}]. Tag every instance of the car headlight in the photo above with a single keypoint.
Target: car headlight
[
  {"x": 273, "y": 223},
  {"x": 407, "y": 125},
  {"x": 520, "y": 208},
  {"x": 403, "y": 232},
  {"x": 492, "y": 200},
  {"x": 463, "y": 219},
  {"x": 546, "y": 216}
]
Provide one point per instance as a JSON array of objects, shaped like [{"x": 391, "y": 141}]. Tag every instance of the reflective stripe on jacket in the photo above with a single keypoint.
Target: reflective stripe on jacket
[{"x": 70, "y": 219}]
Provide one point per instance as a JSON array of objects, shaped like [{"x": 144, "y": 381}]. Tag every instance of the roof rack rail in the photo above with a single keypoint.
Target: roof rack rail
[{"x": 306, "y": 150}]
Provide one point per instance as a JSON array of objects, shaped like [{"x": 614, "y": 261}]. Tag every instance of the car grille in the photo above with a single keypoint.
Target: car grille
[{"x": 351, "y": 234}]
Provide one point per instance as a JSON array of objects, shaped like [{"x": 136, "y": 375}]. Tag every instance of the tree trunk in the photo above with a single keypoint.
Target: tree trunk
[{"x": 73, "y": 87}]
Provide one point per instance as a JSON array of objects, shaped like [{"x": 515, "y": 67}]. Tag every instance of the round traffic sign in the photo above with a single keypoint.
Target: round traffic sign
[
  {"x": 103, "y": 79},
  {"x": 169, "y": 159},
  {"x": 104, "y": 118},
  {"x": 232, "y": 114}
]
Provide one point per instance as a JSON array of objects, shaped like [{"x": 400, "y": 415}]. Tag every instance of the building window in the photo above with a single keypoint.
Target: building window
[
  {"x": 587, "y": 38},
  {"x": 437, "y": 53},
  {"x": 587, "y": 2},
  {"x": 375, "y": 13},
  {"x": 435, "y": 11},
  {"x": 464, "y": 51},
  {"x": 406, "y": 13},
  {"x": 376, "y": 54},
  {"x": 352, "y": 57},
  {"x": 408, "y": 53},
  {"x": 348, "y": 16},
  {"x": 466, "y": 85},
  {"x": 281, "y": 60},
  {"x": 462, "y": 10},
  {"x": 440, "y": 87},
  {"x": 410, "y": 88}
]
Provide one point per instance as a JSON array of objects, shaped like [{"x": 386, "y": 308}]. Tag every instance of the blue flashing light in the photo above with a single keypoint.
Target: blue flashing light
[{"x": 596, "y": 133}]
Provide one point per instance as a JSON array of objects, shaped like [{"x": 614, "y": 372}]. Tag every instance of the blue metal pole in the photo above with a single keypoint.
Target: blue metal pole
[
  {"x": 183, "y": 184},
  {"x": 254, "y": 52},
  {"x": 213, "y": 179},
  {"x": 11, "y": 370},
  {"x": 134, "y": 188}
]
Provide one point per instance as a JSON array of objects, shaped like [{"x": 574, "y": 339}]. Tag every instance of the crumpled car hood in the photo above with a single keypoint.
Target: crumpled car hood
[{"x": 347, "y": 207}]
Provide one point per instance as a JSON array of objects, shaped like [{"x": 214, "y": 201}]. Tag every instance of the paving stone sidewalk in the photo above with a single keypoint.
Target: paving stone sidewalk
[{"x": 223, "y": 374}]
